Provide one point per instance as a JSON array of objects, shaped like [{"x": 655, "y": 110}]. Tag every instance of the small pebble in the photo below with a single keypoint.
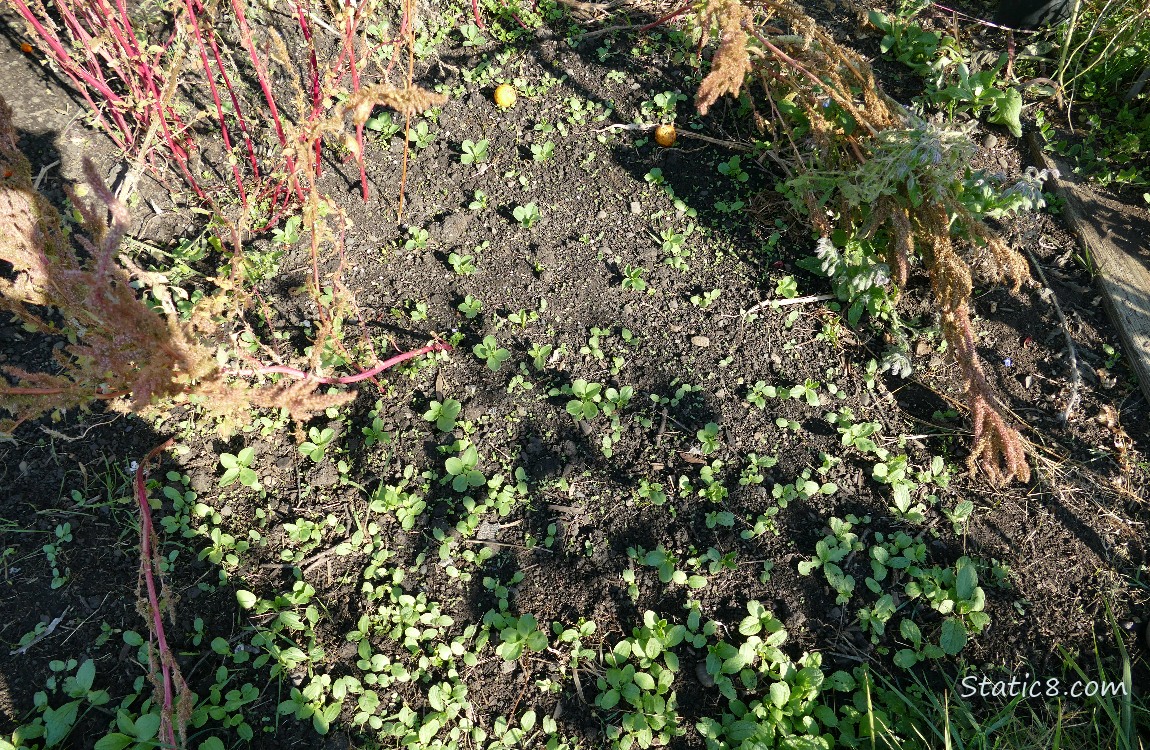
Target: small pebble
[
  {"x": 636, "y": 208},
  {"x": 704, "y": 676},
  {"x": 990, "y": 141},
  {"x": 701, "y": 341},
  {"x": 601, "y": 215}
]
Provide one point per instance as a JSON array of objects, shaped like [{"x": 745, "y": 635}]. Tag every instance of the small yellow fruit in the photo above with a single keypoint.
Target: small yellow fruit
[
  {"x": 504, "y": 96},
  {"x": 665, "y": 135}
]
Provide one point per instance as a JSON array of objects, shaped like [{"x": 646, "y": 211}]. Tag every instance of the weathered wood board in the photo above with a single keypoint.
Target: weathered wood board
[{"x": 1117, "y": 237}]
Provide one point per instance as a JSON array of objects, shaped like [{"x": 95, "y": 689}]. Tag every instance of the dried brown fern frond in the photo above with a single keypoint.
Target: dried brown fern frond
[
  {"x": 732, "y": 62},
  {"x": 997, "y": 448},
  {"x": 405, "y": 101}
]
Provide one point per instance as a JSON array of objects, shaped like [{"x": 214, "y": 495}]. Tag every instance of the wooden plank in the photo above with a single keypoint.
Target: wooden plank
[{"x": 1117, "y": 238}]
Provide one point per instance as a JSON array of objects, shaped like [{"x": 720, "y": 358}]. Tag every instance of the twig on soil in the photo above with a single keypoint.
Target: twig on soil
[
  {"x": 637, "y": 27},
  {"x": 733, "y": 145},
  {"x": 662, "y": 427},
  {"x": 43, "y": 173},
  {"x": 1075, "y": 376},
  {"x": 306, "y": 565},
  {"x": 792, "y": 301},
  {"x": 47, "y": 632},
  {"x": 509, "y": 545}
]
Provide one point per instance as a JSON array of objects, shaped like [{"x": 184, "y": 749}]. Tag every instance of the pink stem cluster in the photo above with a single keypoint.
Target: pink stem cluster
[
  {"x": 345, "y": 379},
  {"x": 124, "y": 85},
  {"x": 109, "y": 59}
]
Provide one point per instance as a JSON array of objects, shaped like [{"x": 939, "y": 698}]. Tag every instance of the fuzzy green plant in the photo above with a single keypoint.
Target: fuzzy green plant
[{"x": 863, "y": 165}]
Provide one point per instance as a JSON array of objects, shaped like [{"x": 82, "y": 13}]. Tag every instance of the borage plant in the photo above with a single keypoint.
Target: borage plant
[{"x": 879, "y": 171}]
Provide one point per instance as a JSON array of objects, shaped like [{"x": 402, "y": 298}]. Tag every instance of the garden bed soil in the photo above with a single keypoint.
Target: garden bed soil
[{"x": 1073, "y": 538}]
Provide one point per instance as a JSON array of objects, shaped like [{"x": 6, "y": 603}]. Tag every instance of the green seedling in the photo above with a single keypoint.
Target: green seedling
[
  {"x": 662, "y": 106},
  {"x": 753, "y": 472},
  {"x": 60, "y": 573},
  {"x": 830, "y": 551},
  {"x": 462, "y": 470},
  {"x": 633, "y": 278},
  {"x": 540, "y": 355},
  {"x": 421, "y": 136},
  {"x": 490, "y": 352},
  {"x": 238, "y": 468},
  {"x": 407, "y": 506},
  {"x": 523, "y": 318},
  {"x": 733, "y": 168},
  {"x": 471, "y": 35},
  {"x": 317, "y": 443},
  {"x": 55, "y": 724},
  {"x": 417, "y": 239},
  {"x": 517, "y": 635},
  {"x": 717, "y": 518},
  {"x": 527, "y": 215},
  {"x": 587, "y": 396},
  {"x": 478, "y": 201},
  {"x": 706, "y": 299},
  {"x": 542, "y": 151},
  {"x": 709, "y": 437},
  {"x": 464, "y": 265},
  {"x": 384, "y": 124},
  {"x": 666, "y": 564},
  {"x": 713, "y": 489},
  {"x": 474, "y": 153},
  {"x": 443, "y": 414},
  {"x": 470, "y": 307},
  {"x": 374, "y": 432},
  {"x": 960, "y": 516},
  {"x": 787, "y": 287},
  {"x": 652, "y": 492},
  {"x": 289, "y": 233}
]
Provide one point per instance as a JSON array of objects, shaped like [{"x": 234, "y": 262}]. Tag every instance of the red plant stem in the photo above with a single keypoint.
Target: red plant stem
[
  {"x": 378, "y": 368},
  {"x": 349, "y": 43},
  {"x": 313, "y": 70},
  {"x": 82, "y": 80},
  {"x": 235, "y": 101},
  {"x": 148, "y": 551},
  {"x": 144, "y": 69},
  {"x": 786, "y": 59},
  {"x": 475, "y": 12},
  {"x": 683, "y": 9},
  {"x": 216, "y": 98},
  {"x": 262, "y": 78}
]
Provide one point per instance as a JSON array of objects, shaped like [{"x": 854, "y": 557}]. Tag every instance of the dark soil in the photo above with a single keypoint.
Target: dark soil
[{"x": 1073, "y": 538}]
